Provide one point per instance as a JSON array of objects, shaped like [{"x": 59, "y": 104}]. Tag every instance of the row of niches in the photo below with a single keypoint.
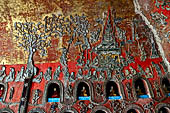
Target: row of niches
[
  {"x": 112, "y": 90},
  {"x": 133, "y": 108},
  {"x": 84, "y": 90}
]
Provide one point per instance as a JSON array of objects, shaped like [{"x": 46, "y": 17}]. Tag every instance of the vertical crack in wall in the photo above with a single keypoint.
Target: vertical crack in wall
[{"x": 158, "y": 41}]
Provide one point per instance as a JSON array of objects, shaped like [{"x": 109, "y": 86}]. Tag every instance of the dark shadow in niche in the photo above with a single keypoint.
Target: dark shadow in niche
[
  {"x": 100, "y": 111},
  {"x": 166, "y": 86},
  {"x": 2, "y": 90},
  {"x": 112, "y": 91},
  {"x": 164, "y": 110},
  {"x": 140, "y": 88},
  {"x": 132, "y": 111},
  {"x": 83, "y": 91},
  {"x": 53, "y": 93}
]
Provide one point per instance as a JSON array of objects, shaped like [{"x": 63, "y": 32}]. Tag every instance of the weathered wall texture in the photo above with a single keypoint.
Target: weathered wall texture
[
  {"x": 35, "y": 10},
  {"x": 95, "y": 44}
]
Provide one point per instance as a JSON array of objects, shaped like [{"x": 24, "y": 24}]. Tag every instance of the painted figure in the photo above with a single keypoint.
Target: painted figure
[
  {"x": 38, "y": 78},
  {"x": 20, "y": 75},
  {"x": 2, "y": 73},
  {"x": 11, "y": 75},
  {"x": 47, "y": 75}
]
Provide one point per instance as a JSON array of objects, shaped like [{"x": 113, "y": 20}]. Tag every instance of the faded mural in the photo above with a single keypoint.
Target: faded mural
[{"x": 88, "y": 56}]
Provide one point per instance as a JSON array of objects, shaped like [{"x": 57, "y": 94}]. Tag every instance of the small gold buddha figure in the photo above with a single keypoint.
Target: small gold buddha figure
[
  {"x": 132, "y": 112},
  {"x": 83, "y": 92},
  {"x": 139, "y": 92},
  {"x": 55, "y": 93},
  {"x": 165, "y": 89},
  {"x": 112, "y": 92}
]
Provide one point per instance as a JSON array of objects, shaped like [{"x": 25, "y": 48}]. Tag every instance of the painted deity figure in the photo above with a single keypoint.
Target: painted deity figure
[
  {"x": 57, "y": 73},
  {"x": 20, "y": 75},
  {"x": 83, "y": 92},
  {"x": 143, "y": 53},
  {"x": 69, "y": 92},
  {"x": 94, "y": 75},
  {"x": 63, "y": 58},
  {"x": 38, "y": 78},
  {"x": 99, "y": 91},
  {"x": 129, "y": 90},
  {"x": 79, "y": 74},
  {"x": 47, "y": 75},
  {"x": 2, "y": 73},
  {"x": 11, "y": 75},
  {"x": 157, "y": 88},
  {"x": 128, "y": 75},
  {"x": 148, "y": 73},
  {"x": 102, "y": 75},
  {"x": 72, "y": 77},
  {"x": 132, "y": 70},
  {"x": 11, "y": 93},
  {"x": 112, "y": 92},
  {"x": 36, "y": 97}
]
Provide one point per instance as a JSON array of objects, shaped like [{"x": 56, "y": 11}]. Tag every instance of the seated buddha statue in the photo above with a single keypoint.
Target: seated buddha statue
[
  {"x": 139, "y": 91},
  {"x": 112, "y": 92},
  {"x": 1, "y": 91},
  {"x": 83, "y": 92},
  {"x": 165, "y": 89},
  {"x": 55, "y": 93}
]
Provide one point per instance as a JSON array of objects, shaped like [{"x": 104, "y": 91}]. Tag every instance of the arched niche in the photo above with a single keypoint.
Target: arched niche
[
  {"x": 83, "y": 90},
  {"x": 165, "y": 83},
  {"x": 37, "y": 110},
  {"x": 142, "y": 88},
  {"x": 133, "y": 108},
  {"x": 113, "y": 90},
  {"x": 101, "y": 109},
  {"x": 68, "y": 110},
  {"x": 6, "y": 110},
  {"x": 53, "y": 92},
  {"x": 132, "y": 111},
  {"x": 162, "y": 108},
  {"x": 3, "y": 91}
]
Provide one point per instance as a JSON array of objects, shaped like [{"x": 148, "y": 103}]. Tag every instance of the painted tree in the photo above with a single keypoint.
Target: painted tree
[
  {"x": 32, "y": 37},
  {"x": 75, "y": 27}
]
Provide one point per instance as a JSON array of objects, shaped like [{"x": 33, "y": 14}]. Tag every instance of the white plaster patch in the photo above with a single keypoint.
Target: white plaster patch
[{"x": 156, "y": 36}]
